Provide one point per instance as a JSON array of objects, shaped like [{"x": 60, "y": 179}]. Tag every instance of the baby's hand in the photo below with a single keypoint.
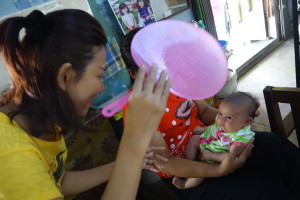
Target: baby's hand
[{"x": 198, "y": 130}]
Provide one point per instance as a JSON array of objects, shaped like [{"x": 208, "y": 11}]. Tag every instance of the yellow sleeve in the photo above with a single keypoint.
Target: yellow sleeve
[{"x": 23, "y": 175}]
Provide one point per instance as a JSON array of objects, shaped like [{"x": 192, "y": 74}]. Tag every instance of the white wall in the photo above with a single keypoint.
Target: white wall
[
  {"x": 159, "y": 8},
  {"x": 77, "y": 4}
]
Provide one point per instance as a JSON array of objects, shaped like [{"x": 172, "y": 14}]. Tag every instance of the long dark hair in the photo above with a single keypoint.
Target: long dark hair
[{"x": 33, "y": 62}]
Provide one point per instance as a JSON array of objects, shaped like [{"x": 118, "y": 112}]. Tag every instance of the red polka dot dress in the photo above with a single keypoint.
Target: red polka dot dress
[{"x": 177, "y": 125}]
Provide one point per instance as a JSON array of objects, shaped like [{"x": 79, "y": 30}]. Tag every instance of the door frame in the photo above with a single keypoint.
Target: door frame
[{"x": 255, "y": 59}]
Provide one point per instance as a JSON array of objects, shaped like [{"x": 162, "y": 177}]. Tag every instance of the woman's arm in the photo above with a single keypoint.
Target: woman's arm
[
  {"x": 145, "y": 110},
  {"x": 80, "y": 181},
  {"x": 205, "y": 112}
]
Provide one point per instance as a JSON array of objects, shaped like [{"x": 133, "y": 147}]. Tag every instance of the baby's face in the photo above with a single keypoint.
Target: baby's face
[{"x": 231, "y": 118}]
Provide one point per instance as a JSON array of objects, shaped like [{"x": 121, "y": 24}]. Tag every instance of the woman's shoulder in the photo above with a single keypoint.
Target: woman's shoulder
[{"x": 12, "y": 136}]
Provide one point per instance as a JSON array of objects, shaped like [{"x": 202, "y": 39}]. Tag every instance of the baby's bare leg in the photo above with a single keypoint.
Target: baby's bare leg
[
  {"x": 191, "y": 153},
  {"x": 192, "y": 149}
]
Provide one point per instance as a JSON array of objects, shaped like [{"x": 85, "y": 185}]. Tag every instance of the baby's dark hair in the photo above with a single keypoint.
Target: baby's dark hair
[
  {"x": 125, "y": 49},
  {"x": 121, "y": 7},
  {"x": 243, "y": 97}
]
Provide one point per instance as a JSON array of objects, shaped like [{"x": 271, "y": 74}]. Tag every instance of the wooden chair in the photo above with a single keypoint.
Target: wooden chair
[{"x": 274, "y": 96}]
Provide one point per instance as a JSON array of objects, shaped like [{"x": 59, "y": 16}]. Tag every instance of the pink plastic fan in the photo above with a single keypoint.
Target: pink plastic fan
[{"x": 192, "y": 57}]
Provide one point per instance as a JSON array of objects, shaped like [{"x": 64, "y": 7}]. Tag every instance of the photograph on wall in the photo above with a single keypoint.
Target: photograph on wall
[{"x": 132, "y": 13}]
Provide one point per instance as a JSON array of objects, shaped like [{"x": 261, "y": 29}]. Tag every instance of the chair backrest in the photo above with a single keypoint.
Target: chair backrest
[{"x": 274, "y": 96}]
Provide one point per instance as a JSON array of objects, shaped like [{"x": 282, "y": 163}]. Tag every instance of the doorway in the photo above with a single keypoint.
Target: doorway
[{"x": 252, "y": 28}]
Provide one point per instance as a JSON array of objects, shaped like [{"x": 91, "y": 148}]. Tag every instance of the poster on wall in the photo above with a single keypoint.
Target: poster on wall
[{"x": 132, "y": 13}]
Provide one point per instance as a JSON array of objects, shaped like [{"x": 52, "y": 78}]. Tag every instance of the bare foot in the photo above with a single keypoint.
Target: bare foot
[{"x": 178, "y": 182}]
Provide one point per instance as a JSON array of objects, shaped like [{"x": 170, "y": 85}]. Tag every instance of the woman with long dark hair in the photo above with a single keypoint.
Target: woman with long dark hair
[{"x": 56, "y": 70}]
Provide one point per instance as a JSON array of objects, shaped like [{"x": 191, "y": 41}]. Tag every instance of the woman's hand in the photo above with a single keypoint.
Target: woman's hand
[
  {"x": 151, "y": 157},
  {"x": 235, "y": 158},
  {"x": 147, "y": 102}
]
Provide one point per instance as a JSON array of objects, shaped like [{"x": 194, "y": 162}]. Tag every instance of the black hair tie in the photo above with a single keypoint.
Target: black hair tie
[{"x": 36, "y": 28}]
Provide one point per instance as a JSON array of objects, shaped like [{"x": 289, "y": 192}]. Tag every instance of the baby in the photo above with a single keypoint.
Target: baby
[{"x": 232, "y": 126}]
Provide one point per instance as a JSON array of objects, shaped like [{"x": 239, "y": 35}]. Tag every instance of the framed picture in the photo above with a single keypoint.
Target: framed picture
[{"x": 132, "y": 13}]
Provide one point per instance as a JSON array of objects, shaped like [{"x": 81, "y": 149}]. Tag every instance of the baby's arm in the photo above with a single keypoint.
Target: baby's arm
[
  {"x": 198, "y": 130},
  {"x": 205, "y": 112}
]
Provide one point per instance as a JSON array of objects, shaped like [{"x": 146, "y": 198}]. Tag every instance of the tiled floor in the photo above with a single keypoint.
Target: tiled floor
[{"x": 243, "y": 53}]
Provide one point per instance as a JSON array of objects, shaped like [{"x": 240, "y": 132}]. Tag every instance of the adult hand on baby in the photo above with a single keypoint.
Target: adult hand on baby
[
  {"x": 151, "y": 157},
  {"x": 235, "y": 158}
]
